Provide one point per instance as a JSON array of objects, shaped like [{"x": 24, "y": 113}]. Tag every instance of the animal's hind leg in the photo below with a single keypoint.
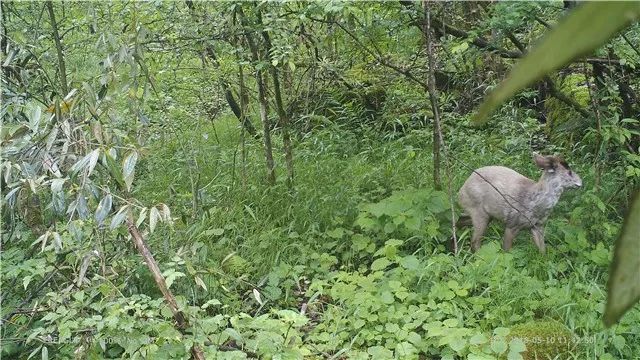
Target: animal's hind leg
[{"x": 480, "y": 221}]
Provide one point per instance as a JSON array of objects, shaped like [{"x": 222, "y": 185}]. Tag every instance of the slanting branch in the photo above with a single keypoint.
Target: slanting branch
[
  {"x": 565, "y": 99},
  {"x": 477, "y": 41},
  {"x": 377, "y": 55},
  {"x": 182, "y": 322}
]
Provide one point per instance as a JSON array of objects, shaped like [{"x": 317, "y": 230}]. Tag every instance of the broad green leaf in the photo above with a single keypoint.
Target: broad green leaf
[
  {"x": 410, "y": 262},
  {"x": 480, "y": 356},
  {"x": 234, "y": 334},
  {"x": 212, "y": 302},
  {"x": 624, "y": 281},
  {"x": 171, "y": 275},
  {"x": 380, "y": 264},
  {"x": 582, "y": 31},
  {"x": 498, "y": 346},
  {"x": 405, "y": 349},
  {"x": 478, "y": 339},
  {"x": 128, "y": 168},
  {"x": 103, "y": 209},
  {"x": 336, "y": 233},
  {"x": 512, "y": 355},
  {"x": 379, "y": 352},
  {"x": 457, "y": 344},
  {"x": 501, "y": 331},
  {"x": 517, "y": 345},
  {"x": 387, "y": 297}
]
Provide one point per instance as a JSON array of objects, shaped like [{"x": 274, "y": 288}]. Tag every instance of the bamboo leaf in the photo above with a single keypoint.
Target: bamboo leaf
[
  {"x": 57, "y": 242},
  {"x": 119, "y": 217},
  {"x": 128, "y": 168},
  {"x": 166, "y": 214},
  {"x": 110, "y": 159},
  {"x": 256, "y": 295},
  {"x": 624, "y": 281},
  {"x": 142, "y": 217},
  {"x": 200, "y": 283},
  {"x": 103, "y": 209},
  {"x": 56, "y": 185},
  {"x": 93, "y": 160},
  {"x": 80, "y": 164},
  {"x": 585, "y": 29},
  {"x": 154, "y": 216}
]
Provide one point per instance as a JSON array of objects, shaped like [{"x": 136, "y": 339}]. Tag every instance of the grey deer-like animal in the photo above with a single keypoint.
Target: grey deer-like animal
[{"x": 497, "y": 192}]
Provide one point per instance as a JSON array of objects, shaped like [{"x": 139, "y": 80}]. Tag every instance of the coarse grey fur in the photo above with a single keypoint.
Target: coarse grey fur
[{"x": 497, "y": 192}]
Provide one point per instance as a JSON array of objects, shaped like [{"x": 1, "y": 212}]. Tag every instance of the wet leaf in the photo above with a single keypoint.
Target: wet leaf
[
  {"x": 119, "y": 217},
  {"x": 103, "y": 209},
  {"x": 624, "y": 281},
  {"x": 128, "y": 168},
  {"x": 154, "y": 216}
]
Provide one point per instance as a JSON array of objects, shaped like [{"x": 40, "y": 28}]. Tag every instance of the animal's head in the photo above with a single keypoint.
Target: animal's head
[{"x": 556, "y": 168}]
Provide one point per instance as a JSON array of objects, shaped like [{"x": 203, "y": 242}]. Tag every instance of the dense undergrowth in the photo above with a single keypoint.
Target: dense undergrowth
[
  {"x": 118, "y": 123},
  {"x": 351, "y": 264}
]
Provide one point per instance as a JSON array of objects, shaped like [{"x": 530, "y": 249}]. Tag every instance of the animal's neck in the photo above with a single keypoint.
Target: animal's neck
[{"x": 546, "y": 193}]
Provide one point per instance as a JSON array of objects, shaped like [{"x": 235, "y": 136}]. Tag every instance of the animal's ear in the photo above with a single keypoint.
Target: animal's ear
[{"x": 543, "y": 162}]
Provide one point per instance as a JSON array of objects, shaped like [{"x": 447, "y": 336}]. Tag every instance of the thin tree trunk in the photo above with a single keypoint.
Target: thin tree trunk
[
  {"x": 62, "y": 69},
  {"x": 181, "y": 320},
  {"x": 243, "y": 112},
  {"x": 438, "y": 141},
  {"x": 262, "y": 96},
  {"x": 433, "y": 97},
  {"x": 282, "y": 115}
]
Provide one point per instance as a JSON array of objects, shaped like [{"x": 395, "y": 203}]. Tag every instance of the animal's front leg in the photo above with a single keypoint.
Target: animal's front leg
[
  {"x": 509, "y": 235},
  {"x": 538, "y": 237}
]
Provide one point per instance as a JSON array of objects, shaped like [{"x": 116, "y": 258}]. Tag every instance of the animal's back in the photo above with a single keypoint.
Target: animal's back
[{"x": 479, "y": 191}]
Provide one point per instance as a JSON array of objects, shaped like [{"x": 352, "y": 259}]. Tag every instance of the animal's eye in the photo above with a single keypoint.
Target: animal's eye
[{"x": 570, "y": 173}]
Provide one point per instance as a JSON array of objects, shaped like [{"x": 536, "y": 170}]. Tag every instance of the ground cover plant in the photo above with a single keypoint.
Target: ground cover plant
[{"x": 219, "y": 180}]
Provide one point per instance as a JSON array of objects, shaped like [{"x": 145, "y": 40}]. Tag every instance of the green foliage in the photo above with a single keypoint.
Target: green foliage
[
  {"x": 593, "y": 25},
  {"x": 404, "y": 213},
  {"x": 349, "y": 263}
]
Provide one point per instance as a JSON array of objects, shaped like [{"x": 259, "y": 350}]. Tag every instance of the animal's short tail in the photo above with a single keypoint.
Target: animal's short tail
[{"x": 463, "y": 221}]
